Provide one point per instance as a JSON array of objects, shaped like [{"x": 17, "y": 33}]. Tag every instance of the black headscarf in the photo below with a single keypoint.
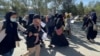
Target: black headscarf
[
  {"x": 30, "y": 18},
  {"x": 59, "y": 21},
  {"x": 36, "y": 16},
  {"x": 8, "y": 21}
]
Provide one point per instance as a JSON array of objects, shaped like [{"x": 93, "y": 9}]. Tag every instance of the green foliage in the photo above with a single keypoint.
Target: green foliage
[
  {"x": 80, "y": 9},
  {"x": 22, "y": 6}
]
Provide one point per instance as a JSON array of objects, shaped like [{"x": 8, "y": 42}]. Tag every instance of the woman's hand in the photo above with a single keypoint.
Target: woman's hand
[
  {"x": 30, "y": 34},
  {"x": 17, "y": 44},
  {"x": 37, "y": 38},
  {"x": 35, "y": 42},
  {"x": 36, "y": 34}
]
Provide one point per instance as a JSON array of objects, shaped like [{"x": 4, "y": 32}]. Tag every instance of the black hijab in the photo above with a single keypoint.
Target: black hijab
[
  {"x": 59, "y": 21},
  {"x": 30, "y": 18},
  {"x": 8, "y": 21}
]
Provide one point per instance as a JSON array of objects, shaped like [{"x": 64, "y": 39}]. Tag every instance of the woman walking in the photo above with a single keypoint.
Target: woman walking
[
  {"x": 58, "y": 38},
  {"x": 91, "y": 32},
  {"x": 10, "y": 36}
]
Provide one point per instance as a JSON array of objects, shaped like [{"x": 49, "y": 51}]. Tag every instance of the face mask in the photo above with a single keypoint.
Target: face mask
[{"x": 13, "y": 19}]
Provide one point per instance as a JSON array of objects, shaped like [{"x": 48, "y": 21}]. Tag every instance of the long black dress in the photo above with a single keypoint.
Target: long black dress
[
  {"x": 8, "y": 42},
  {"x": 91, "y": 34},
  {"x": 59, "y": 39},
  {"x": 30, "y": 40}
]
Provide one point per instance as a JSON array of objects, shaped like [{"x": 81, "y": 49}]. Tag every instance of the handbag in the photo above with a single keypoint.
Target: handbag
[
  {"x": 2, "y": 32},
  {"x": 94, "y": 26}
]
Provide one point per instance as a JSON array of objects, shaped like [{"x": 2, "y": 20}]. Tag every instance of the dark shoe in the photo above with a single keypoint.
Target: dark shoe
[
  {"x": 42, "y": 42},
  {"x": 50, "y": 46},
  {"x": 93, "y": 41},
  {"x": 42, "y": 45},
  {"x": 89, "y": 40}
]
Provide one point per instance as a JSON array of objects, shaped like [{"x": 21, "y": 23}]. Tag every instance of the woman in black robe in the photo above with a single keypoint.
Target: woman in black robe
[
  {"x": 58, "y": 38},
  {"x": 91, "y": 33},
  {"x": 10, "y": 26}
]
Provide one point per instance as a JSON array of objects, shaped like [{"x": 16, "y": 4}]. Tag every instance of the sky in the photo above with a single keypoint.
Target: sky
[{"x": 85, "y": 2}]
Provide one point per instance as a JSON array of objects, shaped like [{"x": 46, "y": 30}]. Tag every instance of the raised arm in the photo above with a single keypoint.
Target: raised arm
[{"x": 21, "y": 28}]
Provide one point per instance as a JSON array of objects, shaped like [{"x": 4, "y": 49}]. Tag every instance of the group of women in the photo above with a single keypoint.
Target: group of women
[{"x": 31, "y": 26}]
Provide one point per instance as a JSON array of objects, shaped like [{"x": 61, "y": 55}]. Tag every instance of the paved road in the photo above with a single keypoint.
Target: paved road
[{"x": 79, "y": 46}]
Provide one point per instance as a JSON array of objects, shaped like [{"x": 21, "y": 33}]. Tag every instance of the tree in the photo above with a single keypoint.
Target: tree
[
  {"x": 80, "y": 8},
  {"x": 70, "y": 7},
  {"x": 74, "y": 10},
  {"x": 67, "y": 5},
  {"x": 15, "y": 5},
  {"x": 97, "y": 9}
]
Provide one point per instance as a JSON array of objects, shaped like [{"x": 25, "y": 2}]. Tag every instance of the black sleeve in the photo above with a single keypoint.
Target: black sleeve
[
  {"x": 44, "y": 29},
  {"x": 17, "y": 38},
  {"x": 88, "y": 21},
  {"x": 32, "y": 29},
  {"x": 29, "y": 29}
]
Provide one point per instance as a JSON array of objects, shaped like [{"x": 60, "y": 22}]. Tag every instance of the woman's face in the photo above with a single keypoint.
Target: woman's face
[
  {"x": 13, "y": 18},
  {"x": 36, "y": 21}
]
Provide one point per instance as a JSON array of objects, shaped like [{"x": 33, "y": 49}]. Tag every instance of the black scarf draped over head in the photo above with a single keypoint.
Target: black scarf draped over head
[
  {"x": 30, "y": 17},
  {"x": 8, "y": 21},
  {"x": 59, "y": 21}
]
